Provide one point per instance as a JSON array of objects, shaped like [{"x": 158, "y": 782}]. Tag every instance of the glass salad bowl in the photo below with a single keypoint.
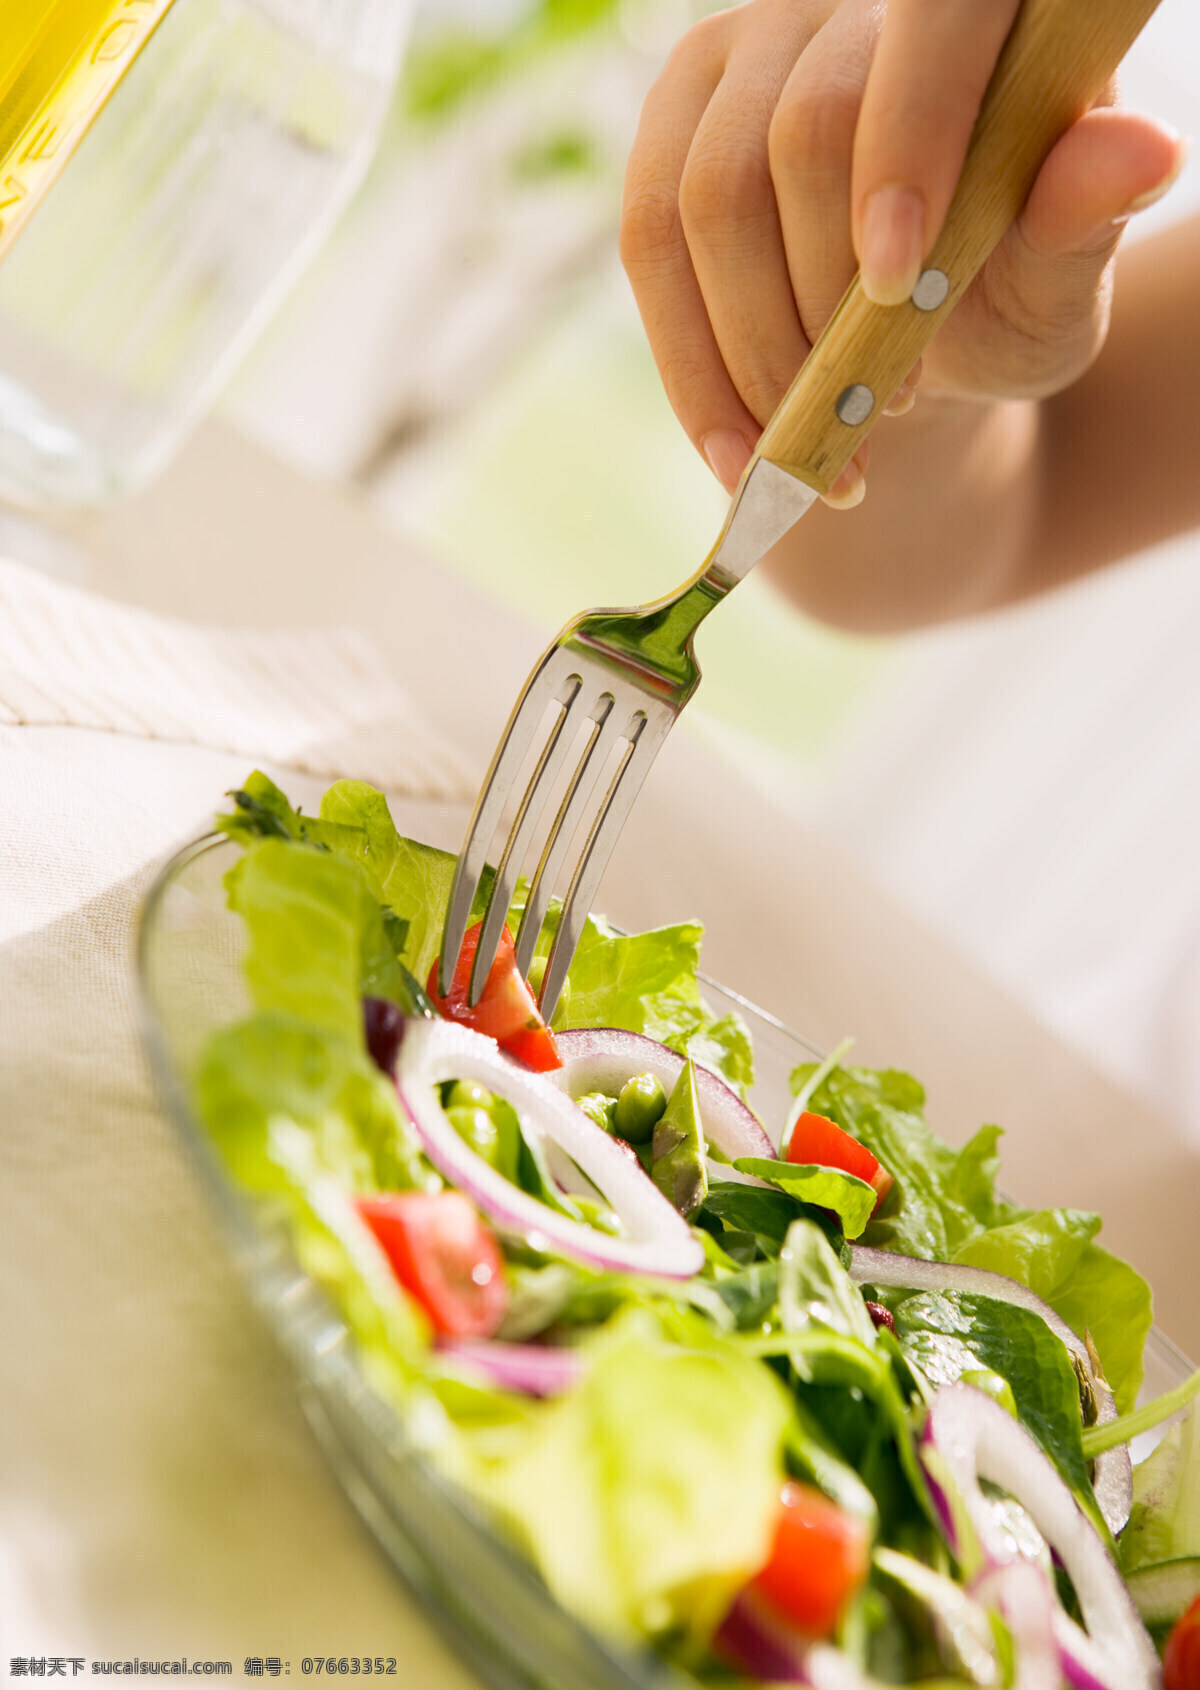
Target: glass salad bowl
[{"x": 486, "y": 1599}]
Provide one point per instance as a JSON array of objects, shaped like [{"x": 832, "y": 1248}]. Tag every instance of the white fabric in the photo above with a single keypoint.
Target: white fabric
[
  {"x": 318, "y": 702},
  {"x": 160, "y": 1494}
]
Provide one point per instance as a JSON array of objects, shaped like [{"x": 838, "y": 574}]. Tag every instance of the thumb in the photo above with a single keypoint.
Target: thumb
[
  {"x": 1050, "y": 278},
  {"x": 1109, "y": 166}
]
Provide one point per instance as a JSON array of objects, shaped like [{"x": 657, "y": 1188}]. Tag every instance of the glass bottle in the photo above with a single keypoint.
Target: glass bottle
[{"x": 166, "y": 168}]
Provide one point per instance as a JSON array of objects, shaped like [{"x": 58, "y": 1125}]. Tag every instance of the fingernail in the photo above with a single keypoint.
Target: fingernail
[
  {"x": 892, "y": 243},
  {"x": 848, "y": 490},
  {"x": 905, "y": 396},
  {"x": 728, "y": 453},
  {"x": 1154, "y": 194},
  {"x": 901, "y": 402}
]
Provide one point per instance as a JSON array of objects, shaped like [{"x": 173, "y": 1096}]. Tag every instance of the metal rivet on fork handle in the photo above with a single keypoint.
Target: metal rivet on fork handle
[
  {"x": 855, "y": 404},
  {"x": 931, "y": 289}
]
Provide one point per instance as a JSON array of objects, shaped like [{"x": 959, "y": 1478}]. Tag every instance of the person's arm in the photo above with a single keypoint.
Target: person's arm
[
  {"x": 972, "y": 505},
  {"x": 787, "y": 137}
]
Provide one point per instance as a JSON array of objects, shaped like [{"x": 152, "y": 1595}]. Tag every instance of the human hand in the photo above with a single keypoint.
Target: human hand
[{"x": 789, "y": 141}]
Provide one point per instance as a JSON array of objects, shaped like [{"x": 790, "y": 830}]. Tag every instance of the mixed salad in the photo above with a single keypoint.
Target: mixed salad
[{"x": 801, "y": 1402}]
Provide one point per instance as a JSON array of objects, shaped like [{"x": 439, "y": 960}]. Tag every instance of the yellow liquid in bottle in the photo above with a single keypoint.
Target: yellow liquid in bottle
[{"x": 59, "y": 62}]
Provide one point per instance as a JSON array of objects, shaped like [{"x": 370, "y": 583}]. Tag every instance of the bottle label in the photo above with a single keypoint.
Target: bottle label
[{"x": 66, "y": 66}]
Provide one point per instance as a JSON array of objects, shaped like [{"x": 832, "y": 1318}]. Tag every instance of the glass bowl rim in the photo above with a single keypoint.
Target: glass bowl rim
[{"x": 338, "y": 1366}]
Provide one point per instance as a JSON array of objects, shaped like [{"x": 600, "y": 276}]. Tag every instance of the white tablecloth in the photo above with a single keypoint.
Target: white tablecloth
[{"x": 160, "y": 1494}]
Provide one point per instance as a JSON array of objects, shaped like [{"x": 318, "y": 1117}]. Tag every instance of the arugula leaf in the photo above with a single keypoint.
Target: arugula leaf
[
  {"x": 764, "y": 1213},
  {"x": 831, "y": 1343},
  {"x": 750, "y": 1295},
  {"x": 816, "y": 1290},
  {"x": 260, "y": 812},
  {"x": 812, "y": 1455},
  {"x": 851, "y": 1199},
  {"x": 949, "y": 1334}
]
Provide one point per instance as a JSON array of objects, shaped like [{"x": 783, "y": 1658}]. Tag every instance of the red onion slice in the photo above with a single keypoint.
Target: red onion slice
[
  {"x": 1112, "y": 1472},
  {"x": 536, "y": 1370},
  {"x": 969, "y": 1437},
  {"x": 603, "y": 1058},
  {"x": 752, "y": 1636},
  {"x": 755, "y": 1638},
  {"x": 1021, "y": 1591},
  {"x": 657, "y": 1239}
]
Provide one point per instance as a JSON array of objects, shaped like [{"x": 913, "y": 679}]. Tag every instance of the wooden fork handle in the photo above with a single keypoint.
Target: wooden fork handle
[{"x": 1056, "y": 62}]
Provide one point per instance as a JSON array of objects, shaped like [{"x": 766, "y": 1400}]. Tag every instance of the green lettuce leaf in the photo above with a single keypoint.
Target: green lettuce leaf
[
  {"x": 1041, "y": 1249},
  {"x": 305, "y": 1121},
  {"x": 412, "y": 879},
  {"x": 1103, "y": 1295},
  {"x": 273, "y": 1068},
  {"x": 941, "y": 1196},
  {"x": 314, "y": 934},
  {"x": 851, "y": 1199},
  {"x": 647, "y": 983},
  {"x": 649, "y": 1495}
]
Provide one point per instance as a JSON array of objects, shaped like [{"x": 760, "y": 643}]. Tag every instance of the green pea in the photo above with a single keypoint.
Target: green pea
[
  {"x": 467, "y": 1094},
  {"x": 476, "y": 1128},
  {"x": 598, "y": 1215},
  {"x": 639, "y": 1108},
  {"x": 598, "y": 1108}
]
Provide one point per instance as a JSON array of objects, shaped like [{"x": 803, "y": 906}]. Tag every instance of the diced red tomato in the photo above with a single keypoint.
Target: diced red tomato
[
  {"x": 506, "y": 1010},
  {"x": 817, "y": 1139},
  {"x": 444, "y": 1256},
  {"x": 1181, "y": 1660},
  {"x": 820, "y": 1557}
]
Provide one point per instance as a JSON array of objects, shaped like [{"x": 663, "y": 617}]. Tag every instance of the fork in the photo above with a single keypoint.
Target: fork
[{"x": 619, "y": 678}]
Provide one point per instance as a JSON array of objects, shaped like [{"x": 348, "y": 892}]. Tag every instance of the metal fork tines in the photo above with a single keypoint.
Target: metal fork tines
[
  {"x": 614, "y": 682},
  {"x": 602, "y": 718}
]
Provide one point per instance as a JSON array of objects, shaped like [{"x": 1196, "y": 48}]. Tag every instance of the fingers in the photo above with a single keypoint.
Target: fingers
[
  {"x": 735, "y": 226},
  {"x": 930, "y": 70},
  {"x": 655, "y": 254},
  {"x": 731, "y": 220},
  {"x": 810, "y": 145}
]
